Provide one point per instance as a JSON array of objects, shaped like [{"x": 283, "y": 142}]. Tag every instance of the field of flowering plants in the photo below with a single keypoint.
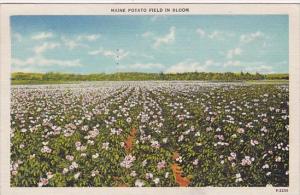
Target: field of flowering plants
[{"x": 150, "y": 133}]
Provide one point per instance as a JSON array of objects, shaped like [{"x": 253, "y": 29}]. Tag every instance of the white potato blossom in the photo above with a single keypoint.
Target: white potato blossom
[
  {"x": 127, "y": 162},
  {"x": 253, "y": 142},
  {"x": 149, "y": 175},
  {"x": 240, "y": 130},
  {"x": 70, "y": 157},
  {"x": 43, "y": 182},
  {"x": 94, "y": 173},
  {"x": 95, "y": 155},
  {"x": 181, "y": 137},
  {"x": 167, "y": 175},
  {"x": 74, "y": 165},
  {"x": 165, "y": 140},
  {"x": 234, "y": 121},
  {"x": 238, "y": 178},
  {"x": 179, "y": 159},
  {"x": 161, "y": 165},
  {"x": 195, "y": 162},
  {"x": 105, "y": 146},
  {"x": 247, "y": 161},
  {"x": 265, "y": 166},
  {"x": 155, "y": 144},
  {"x": 46, "y": 149},
  {"x": 156, "y": 180},
  {"x": 77, "y": 144},
  {"x": 144, "y": 163},
  {"x": 65, "y": 170},
  {"x": 76, "y": 176},
  {"x": 133, "y": 174},
  {"x": 277, "y": 159},
  {"x": 49, "y": 175},
  {"x": 139, "y": 183}
]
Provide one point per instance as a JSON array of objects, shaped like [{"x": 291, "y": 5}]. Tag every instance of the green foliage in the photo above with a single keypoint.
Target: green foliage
[
  {"x": 51, "y": 77},
  {"x": 200, "y": 123}
]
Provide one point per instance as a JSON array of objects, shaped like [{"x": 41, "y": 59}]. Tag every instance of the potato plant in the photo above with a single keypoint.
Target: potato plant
[{"x": 150, "y": 133}]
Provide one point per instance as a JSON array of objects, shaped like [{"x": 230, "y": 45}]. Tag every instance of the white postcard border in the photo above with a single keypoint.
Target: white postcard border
[{"x": 195, "y": 9}]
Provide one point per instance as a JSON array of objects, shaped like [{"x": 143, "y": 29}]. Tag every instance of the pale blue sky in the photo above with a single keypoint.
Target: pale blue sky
[{"x": 93, "y": 44}]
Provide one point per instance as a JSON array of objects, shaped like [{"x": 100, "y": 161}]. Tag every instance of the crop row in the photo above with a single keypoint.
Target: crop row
[{"x": 150, "y": 134}]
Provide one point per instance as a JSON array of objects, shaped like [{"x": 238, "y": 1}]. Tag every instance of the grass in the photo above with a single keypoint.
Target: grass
[
  {"x": 268, "y": 81},
  {"x": 44, "y": 82},
  {"x": 35, "y": 82}
]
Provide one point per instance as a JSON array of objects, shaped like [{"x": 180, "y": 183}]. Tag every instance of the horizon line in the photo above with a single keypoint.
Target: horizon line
[{"x": 149, "y": 72}]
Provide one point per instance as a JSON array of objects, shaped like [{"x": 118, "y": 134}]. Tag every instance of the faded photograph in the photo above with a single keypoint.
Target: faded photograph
[{"x": 149, "y": 101}]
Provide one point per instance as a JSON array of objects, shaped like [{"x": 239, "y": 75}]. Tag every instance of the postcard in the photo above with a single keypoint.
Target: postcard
[{"x": 150, "y": 98}]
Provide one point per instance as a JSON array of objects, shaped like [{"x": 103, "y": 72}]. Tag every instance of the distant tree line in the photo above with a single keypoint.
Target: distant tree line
[{"x": 132, "y": 76}]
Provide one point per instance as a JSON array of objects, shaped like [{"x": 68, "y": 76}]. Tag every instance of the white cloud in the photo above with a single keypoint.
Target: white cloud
[
  {"x": 252, "y": 67},
  {"x": 142, "y": 55},
  {"x": 209, "y": 63},
  {"x": 40, "y": 61},
  {"x": 190, "y": 66},
  {"x": 147, "y": 56},
  {"x": 91, "y": 37},
  {"x": 283, "y": 63},
  {"x": 72, "y": 44},
  {"x": 166, "y": 39},
  {"x": 42, "y": 35},
  {"x": 200, "y": 32},
  {"x": 248, "y": 38},
  {"x": 231, "y": 63},
  {"x": 234, "y": 52},
  {"x": 76, "y": 42},
  {"x": 216, "y": 35},
  {"x": 147, "y": 34},
  {"x": 120, "y": 54},
  {"x": 265, "y": 69},
  {"x": 265, "y": 44},
  {"x": 157, "y": 17},
  {"x": 219, "y": 35},
  {"x": 141, "y": 66},
  {"x": 45, "y": 46},
  {"x": 235, "y": 65},
  {"x": 17, "y": 36}
]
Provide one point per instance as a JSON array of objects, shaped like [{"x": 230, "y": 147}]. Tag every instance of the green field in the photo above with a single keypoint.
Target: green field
[{"x": 153, "y": 133}]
